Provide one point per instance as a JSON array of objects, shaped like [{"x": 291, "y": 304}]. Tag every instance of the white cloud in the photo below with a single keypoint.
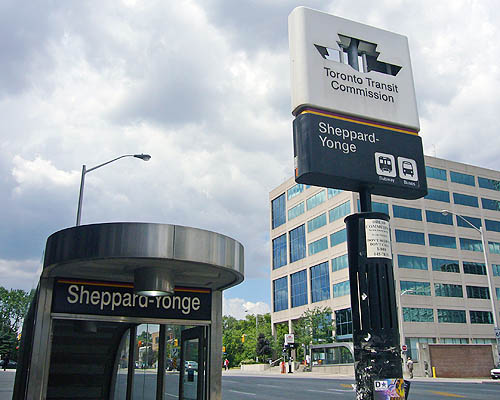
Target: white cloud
[
  {"x": 240, "y": 308},
  {"x": 20, "y": 274}
]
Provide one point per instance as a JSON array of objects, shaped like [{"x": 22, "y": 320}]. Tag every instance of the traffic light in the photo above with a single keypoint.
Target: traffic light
[
  {"x": 223, "y": 349},
  {"x": 176, "y": 342},
  {"x": 140, "y": 343},
  {"x": 243, "y": 338}
]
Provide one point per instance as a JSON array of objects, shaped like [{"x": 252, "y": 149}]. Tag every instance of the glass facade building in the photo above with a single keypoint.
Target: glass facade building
[{"x": 441, "y": 285}]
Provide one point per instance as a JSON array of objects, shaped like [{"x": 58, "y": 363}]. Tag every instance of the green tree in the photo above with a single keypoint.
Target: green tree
[
  {"x": 14, "y": 305},
  {"x": 314, "y": 326}
]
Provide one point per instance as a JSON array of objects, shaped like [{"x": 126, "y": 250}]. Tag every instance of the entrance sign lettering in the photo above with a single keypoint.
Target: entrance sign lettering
[{"x": 119, "y": 299}]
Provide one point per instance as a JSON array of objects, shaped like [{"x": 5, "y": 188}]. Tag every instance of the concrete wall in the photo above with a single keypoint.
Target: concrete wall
[
  {"x": 337, "y": 369},
  {"x": 255, "y": 367}
]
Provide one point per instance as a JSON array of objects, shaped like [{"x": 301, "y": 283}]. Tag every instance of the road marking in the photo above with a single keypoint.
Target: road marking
[
  {"x": 266, "y": 385},
  {"x": 446, "y": 394},
  {"x": 346, "y": 385},
  {"x": 340, "y": 390},
  {"x": 237, "y": 391}
]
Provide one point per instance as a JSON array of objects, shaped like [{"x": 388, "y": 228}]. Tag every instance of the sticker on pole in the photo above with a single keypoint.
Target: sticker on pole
[
  {"x": 378, "y": 239},
  {"x": 389, "y": 389}
]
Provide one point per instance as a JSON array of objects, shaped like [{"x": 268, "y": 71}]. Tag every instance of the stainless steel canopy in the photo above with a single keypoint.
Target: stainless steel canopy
[{"x": 113, "y": 251}]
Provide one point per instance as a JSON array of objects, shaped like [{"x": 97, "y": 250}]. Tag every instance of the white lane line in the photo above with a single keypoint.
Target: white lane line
[
  {"x": 173, "y": 395},
  {"x": 237, "y": 391},
  {"x": 267, "y": 385},
  {"x": 341, "y": 390}
]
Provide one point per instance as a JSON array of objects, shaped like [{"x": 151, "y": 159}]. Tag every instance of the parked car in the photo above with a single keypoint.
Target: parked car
[
  {"x": 11, "y": 365},
  {"x": 495, "y": 372},
  {"x": 191, "y": 365}
]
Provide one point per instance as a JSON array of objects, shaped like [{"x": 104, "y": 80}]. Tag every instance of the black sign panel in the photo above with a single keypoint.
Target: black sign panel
[
  {"x": 339, "y": 152},
  {"x": 119, "y": 299}
]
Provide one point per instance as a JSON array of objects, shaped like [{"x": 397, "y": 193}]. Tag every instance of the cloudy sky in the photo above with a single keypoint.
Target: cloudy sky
[{"x": 203, "y": 86}]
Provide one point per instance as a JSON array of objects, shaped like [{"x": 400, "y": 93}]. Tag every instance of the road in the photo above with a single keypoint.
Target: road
[
  {"x": 238, "y": 387},
  {"x": 285, "y": 387}
]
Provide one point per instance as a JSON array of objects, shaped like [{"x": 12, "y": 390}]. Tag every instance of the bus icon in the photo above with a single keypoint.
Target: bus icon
[
  {"x": 385, "y": 165},
  {"x": 407, "y": 168}
]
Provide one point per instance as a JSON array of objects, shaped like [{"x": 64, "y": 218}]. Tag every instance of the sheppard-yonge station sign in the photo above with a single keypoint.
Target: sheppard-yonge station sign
[
  {"x": 119, "y": 299},
  {"x": 353, "y": 97}
]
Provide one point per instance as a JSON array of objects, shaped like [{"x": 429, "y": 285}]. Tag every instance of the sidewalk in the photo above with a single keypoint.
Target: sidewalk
[
  {"x": 7, "y": 383},
  {"x": 318, "y": 375}
]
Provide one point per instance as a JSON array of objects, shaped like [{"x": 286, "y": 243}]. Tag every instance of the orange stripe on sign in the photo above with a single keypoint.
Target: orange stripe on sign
[
  {"x": 126, "y": 285},
  {"x": 359, "y": 121}
]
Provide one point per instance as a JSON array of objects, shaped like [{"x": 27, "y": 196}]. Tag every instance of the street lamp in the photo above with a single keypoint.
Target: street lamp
[
  {"x": 401, "y": 313},
  {"x": 144, "y": 157},
  {"x": 488, "y": 275}
]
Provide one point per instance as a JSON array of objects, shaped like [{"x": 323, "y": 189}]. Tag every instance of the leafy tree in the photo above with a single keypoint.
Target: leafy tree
[
  {"x": 263, "y": 346},
  {"x": 14, "y": 305},
  {"x": 314, "y": 326}
]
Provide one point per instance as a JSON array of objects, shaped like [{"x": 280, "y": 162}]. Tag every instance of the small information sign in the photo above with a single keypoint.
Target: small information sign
[{"x": 378, "y": 238}]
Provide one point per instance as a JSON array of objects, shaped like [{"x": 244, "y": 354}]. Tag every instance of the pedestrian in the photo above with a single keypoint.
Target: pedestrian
[
  {"x": 5, "y": 361},
  {"x": 226, "y": 364},
  {"x": 409, "y": 364}
]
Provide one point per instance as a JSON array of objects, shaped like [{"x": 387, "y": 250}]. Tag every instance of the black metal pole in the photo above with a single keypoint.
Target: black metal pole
[{"x": 373, "y": 301}]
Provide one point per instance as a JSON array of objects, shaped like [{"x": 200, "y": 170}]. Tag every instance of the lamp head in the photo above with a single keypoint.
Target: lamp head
[{"x": 144, "y": 157}]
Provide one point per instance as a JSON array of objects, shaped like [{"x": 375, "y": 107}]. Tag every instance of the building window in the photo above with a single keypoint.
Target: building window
[
  {"x": 464, "y": 179},
  {"x": 343, "y": 324},
  {"x": 339, "y": 211},
  {"x": 438, "y": 195},
  {"x": 316, "y": 200},
  {"x": 297, "y": 238},
  {"x": 496, "y": 269},
  {"x": 279, "y": 251},
  {"x": 295, "y": 190},
  {"x": 451, "y": 316},
  {"x": 413, "y": 314},
  {"x": 320, "y": 282},
  {"x": 444, "y": 265},
  {"x": 411, "y": 343},
  {"x": 278, "y": 210},
  {"x": 454, "y": 340},
  {"x": 474, "y": 221},
  {"x": 491, "y": 184},
  {"x": 410, "y": 237},
  {"x": 316, "y": 222},
  {"x": 435, "y": 173},
  {"x": 280, "y": 294},
  {"x": 442, "y": 241},
  {"x": 477, "y": 292},
  {"x": 412, "y": 262},
  {"x": 470, "y": 244},
  {"x": 494, "y": 247},
  {"x": 340, "y": 262},
  {"x": 379, "y": 207},
  {"x": 416, "y": 288},
  {"x": 341, "y": 289},
  {"x": 497, "y": 290},
  {"x": 490, "y": 204},
  {"x": 438, "y": 217},
  {"x": 298, "y": 286},
  {"x": 295, "y": 211},
  {"x": 338, "y": 237},
  {"x": 318, "y": 245},
  {"x": 474, "y": 268},
  {"x": 465, "y": 200},
  {"x": 407, "y": 213},
  {"x": 481, "y": 317},
  {"x": 448, "y": 290},
  {"x": 493, "y": 226},
  {"x": 333, "y": 192},
  {"x": 483, "y": 341}
]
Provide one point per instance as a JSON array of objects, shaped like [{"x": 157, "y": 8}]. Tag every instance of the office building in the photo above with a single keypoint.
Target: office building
[{"x": 442, "y": 286}]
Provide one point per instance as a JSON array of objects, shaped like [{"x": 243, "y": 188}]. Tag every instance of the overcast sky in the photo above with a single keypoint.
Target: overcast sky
[{"x": 202, "y": 86}]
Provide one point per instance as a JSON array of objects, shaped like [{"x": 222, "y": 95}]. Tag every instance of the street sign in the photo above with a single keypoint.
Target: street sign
[
  {"x": 404, "y": 347},
  {"x": 289, "y": 338},
  {"x": 347, "y": 153}
]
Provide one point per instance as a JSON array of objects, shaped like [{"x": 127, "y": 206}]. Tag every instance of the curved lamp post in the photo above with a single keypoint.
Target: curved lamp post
[
  {"x": 145, "y": 157},
  {"x": 488, "y": 275}
]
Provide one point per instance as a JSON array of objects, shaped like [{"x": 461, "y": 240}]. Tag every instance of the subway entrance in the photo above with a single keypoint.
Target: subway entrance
[
  {"x": 128, "y": 311},
  {"x": 152, "y": 361}
]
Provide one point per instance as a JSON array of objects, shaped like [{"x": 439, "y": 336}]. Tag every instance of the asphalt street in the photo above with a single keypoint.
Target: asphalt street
[{"x": 238, "y": 386}]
